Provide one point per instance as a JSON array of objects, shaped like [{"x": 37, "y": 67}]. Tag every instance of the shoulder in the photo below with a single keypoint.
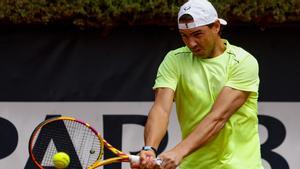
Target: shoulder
[
  {"x": 179, "y": 55},
  {"x": 239, "y": 54},
  {"x": 179, "y": 52}
]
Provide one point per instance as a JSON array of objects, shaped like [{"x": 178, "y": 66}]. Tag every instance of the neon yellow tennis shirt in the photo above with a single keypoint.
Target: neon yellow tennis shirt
[{"x": 197, "y": 83}]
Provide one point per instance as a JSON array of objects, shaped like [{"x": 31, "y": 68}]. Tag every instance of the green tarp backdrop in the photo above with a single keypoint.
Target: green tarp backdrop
[{"x": 110, "y": 13}]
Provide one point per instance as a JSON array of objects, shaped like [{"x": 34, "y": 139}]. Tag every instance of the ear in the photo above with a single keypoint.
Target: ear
[{"x": 217, "y": 27}]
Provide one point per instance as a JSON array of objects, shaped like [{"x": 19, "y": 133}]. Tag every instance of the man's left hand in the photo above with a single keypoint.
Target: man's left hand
[{"x": 170, "y": 159}]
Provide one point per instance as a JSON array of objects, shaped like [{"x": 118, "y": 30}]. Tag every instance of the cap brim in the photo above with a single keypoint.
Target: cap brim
[{"x": 222, "y": 21}]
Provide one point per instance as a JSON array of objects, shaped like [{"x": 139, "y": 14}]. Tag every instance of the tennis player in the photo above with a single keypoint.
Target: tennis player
[{"x": 215, "y": 87}]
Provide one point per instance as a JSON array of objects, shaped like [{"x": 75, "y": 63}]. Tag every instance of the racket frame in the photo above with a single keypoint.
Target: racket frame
[{"x": 61, "y": 118}]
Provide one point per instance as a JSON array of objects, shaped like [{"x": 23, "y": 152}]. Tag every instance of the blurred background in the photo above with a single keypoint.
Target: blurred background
[{"x": 86, "y": 58}]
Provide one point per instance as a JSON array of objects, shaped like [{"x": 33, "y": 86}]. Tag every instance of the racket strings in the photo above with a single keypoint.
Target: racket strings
[
  {"x": 50, "y": 136},
  {"x": 85, "y": 142},
  {"x": 39, "y": 150}
]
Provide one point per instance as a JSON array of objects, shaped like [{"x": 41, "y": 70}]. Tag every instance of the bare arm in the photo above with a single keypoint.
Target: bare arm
[
  {"x": 156, "y": 126},
  {"x": 228, "y": 101},
  {"x": 158, "y": 117}
]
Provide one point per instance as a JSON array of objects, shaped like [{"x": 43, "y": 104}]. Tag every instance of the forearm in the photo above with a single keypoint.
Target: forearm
[
  {"x": 204, "y": 132},
  {"x": 158, "y": 117},
  {"x": 226, "y": 104},
  {"x": 156, "y": 126}
]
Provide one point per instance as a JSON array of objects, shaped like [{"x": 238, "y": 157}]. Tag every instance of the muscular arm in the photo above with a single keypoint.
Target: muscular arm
[
  {"x": 228, "y": 101},
  {"x": 158, "y": 117},
  {"x": 157, "y": 124}
]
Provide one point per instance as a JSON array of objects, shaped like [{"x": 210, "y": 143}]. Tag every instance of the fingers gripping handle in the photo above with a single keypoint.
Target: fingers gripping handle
[{"x": 136, "y": 159}]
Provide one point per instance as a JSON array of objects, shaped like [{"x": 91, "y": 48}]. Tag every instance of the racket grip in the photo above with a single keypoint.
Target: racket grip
[{"x": 136, "y": 159}]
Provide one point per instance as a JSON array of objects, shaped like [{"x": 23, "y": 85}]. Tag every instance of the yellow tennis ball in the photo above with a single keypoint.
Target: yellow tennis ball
[{"x": 61, "y": 160}]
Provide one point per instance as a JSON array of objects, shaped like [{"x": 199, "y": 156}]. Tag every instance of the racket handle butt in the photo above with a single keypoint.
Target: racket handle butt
[{"x": 158, "y": 161}]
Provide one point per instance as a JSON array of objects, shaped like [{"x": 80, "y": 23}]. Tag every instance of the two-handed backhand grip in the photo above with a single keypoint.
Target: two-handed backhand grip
[{"x": 136, "y": 159}]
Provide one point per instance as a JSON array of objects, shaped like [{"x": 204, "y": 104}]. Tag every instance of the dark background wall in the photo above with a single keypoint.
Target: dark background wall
[{"x": 66, "y": 64}]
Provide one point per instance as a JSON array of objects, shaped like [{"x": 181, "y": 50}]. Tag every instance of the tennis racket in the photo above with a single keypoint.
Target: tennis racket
[{"x": 85, "y": 146}]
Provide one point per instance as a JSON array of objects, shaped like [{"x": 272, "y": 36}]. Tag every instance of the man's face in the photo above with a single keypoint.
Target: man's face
[{"x": 200, "y": 40}]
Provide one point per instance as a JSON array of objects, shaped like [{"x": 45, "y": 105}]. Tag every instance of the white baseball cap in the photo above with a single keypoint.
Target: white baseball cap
[{"x": 202, "y": 11}]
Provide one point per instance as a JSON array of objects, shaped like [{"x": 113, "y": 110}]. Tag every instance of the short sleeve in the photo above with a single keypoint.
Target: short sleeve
[
  {"x": 243, "y": 74},
  {"x": 168, "y": 73}
]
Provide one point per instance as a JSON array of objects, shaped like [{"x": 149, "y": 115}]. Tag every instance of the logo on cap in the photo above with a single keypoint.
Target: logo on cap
[{"x": 187, "y": 8}]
